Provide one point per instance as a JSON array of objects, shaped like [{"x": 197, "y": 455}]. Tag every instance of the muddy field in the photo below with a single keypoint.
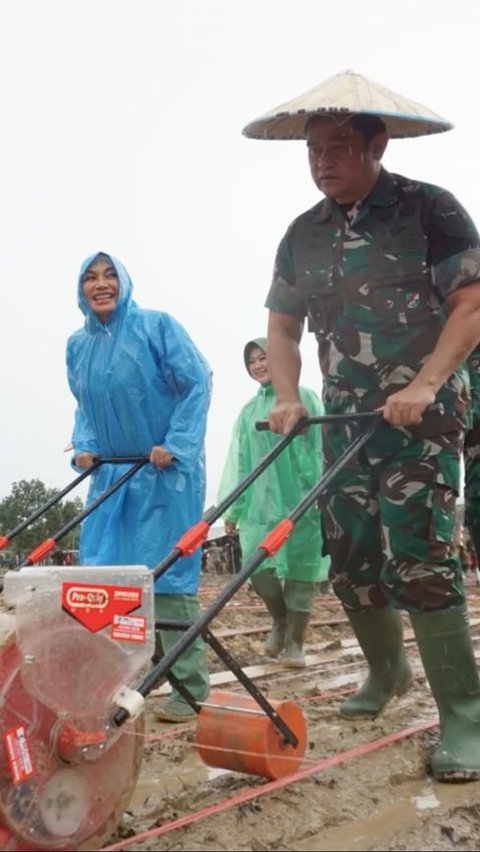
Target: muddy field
[{"x": 363, "y": 785}]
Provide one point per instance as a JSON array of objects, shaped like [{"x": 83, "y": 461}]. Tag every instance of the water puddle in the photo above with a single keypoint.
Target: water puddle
[
  {"x": 192, "y": 772},
  {"x": 405, "y": 813}
]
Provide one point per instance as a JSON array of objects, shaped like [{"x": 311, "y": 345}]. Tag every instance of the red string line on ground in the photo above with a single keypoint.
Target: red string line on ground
[
  {"x": 174, "y": 732},
  {"x": 271, "y": 786}
]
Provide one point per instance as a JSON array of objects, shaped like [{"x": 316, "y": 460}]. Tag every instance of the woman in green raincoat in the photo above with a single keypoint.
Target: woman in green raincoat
[{"x": 286, "y": 581}]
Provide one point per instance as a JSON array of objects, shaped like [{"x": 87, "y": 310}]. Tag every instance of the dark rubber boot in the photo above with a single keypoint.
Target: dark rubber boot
[
  {"x": 299, "y": 600},
  {"x": 380, "y": 636},
  {"x": 446, "y": 650},
  {"x": 297, "y": 623},
  {"x": 269, "y": 588},
  {"x": 191, "y": 666}
]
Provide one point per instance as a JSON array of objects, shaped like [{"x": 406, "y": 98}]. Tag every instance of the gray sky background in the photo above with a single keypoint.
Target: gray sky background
[{"x": 121, "y": 131}]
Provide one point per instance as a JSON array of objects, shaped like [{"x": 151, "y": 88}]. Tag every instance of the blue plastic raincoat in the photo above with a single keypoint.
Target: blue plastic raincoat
[{"x": 139, "y": 381}]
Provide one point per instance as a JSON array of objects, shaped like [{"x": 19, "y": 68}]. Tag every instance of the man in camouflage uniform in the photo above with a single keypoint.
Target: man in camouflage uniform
[
  {"x": 472, "y": 457},
  {"x": 387, "y": 270}
]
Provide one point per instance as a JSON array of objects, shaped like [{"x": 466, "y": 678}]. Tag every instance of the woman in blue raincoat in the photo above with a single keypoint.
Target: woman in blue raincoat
[
  {"x": 286, "y": 582},
  {"x": 142, "y": 388}
]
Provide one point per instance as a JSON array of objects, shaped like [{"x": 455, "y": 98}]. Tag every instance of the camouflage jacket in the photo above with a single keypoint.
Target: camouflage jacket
[
  {"x": 473, "y": 364},
  {"x": 373, "y": 284}
]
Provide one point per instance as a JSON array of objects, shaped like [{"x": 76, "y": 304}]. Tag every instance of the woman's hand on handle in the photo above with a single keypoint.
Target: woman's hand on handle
[
  {"x": 85, "y": 460},
  {"x": 160, "y": 457}
]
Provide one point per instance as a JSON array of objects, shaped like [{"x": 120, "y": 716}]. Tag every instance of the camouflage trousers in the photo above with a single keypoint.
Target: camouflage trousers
[
  {"x": 389, "y": 527},
  {"x": 472, "y": 483}
]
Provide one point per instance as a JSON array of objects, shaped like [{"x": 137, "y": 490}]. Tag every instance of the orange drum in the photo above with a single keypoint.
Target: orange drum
[{"x": 233, "y": 732}]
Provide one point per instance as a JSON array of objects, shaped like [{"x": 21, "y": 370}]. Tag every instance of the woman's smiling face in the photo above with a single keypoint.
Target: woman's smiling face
[
  {"x": 100, "y": 288},
  {"x": 257, "y": 365}
]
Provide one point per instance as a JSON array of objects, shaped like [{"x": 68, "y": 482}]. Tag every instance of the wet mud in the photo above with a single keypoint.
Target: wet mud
[{"x": 378, "y": 799}]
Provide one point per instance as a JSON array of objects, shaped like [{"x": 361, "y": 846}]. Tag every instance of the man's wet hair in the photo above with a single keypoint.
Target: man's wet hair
[{"x": 369, "y": 125}]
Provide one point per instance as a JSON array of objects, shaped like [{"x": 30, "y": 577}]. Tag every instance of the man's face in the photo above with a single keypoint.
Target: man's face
[
  {"x": 343, "y": 163},
  {"x": 257, "y": 365},
  {"x": 100, "y": 288}
]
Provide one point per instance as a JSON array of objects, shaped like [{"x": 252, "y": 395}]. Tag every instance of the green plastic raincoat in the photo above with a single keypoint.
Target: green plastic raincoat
[{"x": 277, "y": 490}]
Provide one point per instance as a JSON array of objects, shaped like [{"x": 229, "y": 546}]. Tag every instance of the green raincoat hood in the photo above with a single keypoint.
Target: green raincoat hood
[{"x": 261, "y": 342}]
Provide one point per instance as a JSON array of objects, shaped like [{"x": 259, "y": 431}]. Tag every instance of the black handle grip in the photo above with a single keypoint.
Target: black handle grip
[{"x": 263, "y": 425}]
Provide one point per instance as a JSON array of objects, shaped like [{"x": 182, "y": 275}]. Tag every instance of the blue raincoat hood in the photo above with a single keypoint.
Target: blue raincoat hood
[{"x": 125, "y": 288}]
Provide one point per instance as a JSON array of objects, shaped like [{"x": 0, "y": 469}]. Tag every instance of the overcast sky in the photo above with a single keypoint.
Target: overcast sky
[{"x": 121, "y": 131}]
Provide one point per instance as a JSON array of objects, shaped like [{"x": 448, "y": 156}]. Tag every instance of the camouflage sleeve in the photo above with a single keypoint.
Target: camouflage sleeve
[
  {"x": 283, "y": 294},
  {"x": 473, "y": 364},
  {"x": 453, "y": 245}
]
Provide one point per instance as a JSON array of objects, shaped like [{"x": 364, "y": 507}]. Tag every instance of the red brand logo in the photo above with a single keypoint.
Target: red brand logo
[
  {"x": 79, "y": 597},
  {"x": 95, "y": 606}
]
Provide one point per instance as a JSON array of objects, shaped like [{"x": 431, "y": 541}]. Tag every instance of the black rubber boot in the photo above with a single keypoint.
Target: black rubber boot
[
  {"x": 269, "y": 588},
  {"x": 446, "y": 650},
  {"x": 380, "y": 636}
]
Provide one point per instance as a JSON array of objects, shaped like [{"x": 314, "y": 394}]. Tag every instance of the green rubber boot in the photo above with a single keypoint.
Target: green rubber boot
[
  {"x": 445, "y": 647},
  {"x": 299, "y": 600},
  {"x": 380, "y": 636},
  {"x": 191, "y": 668},
  {"x": 269, "y": 588}
]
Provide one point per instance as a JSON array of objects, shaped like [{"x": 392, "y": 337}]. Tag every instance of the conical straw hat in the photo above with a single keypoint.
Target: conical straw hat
[{"x": 341, "y": 96}]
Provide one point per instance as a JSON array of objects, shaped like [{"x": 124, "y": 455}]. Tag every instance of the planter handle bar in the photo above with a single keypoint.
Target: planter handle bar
[
  {"x": 270, "y": 544},
  {"x": 263, "y": 425},
  {"x": 46, "y": 546},
  {"x": 196, "y": 535},
  {"x": 7, "y": 538}
]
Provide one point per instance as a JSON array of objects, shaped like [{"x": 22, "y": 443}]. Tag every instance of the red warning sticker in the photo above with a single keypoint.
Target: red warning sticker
[
  {"x": 18, "y": 754},
  {"x": 129, "y": 628},
  {"x": 95, "y": 605}
]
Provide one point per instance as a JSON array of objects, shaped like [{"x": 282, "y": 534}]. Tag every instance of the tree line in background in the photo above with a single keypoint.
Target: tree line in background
[{"x": 26, "y": 497}]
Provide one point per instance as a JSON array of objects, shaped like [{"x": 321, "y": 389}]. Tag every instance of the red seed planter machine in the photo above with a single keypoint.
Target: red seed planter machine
[{"x": 76, "y": 645}]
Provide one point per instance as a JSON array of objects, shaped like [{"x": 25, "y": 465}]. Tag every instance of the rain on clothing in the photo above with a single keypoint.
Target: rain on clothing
[
  {"x": 139, "y": 381},
  {"x": 471, "y": 455},
  {"x": 277, "y": 490},
  {"x": 373, "y": 285}
]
